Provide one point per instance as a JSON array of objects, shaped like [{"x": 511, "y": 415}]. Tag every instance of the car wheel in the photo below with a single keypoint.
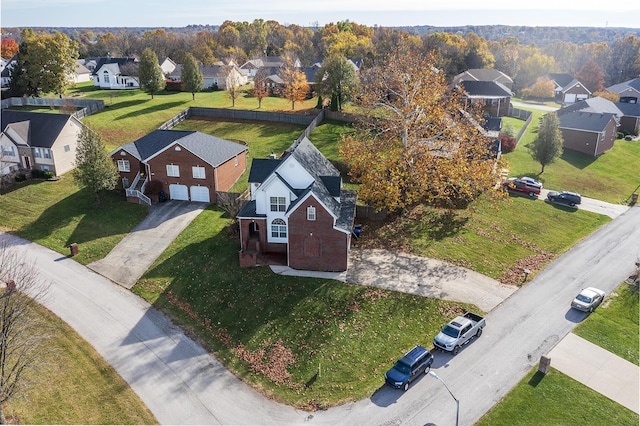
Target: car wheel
[
  {"x": 426, "y": 370},
  {"x": 456, "y": 350},
  {"x": 479, "y": 332},
  {"x": 572, "y": 204},
  {"x": 531, "y": 194},
  {"x": 406, "y": 386},
  {"x": 591, "y": 309}
]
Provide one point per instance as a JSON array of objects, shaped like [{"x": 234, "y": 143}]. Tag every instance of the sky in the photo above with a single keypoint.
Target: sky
[{"x": 180, "y": 13}]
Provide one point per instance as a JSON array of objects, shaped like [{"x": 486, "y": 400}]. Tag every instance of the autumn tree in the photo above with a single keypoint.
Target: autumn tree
[
  {"x": 150, "y": 75},
  {"x": 533, "y": 67},
  {"x": 547, "y": 146},
  {"x": 191, "y": 76},
  {"x": 232, "y": 83},
  {"x": 592, "y": 76},
  {"x": 613, "y": 97},
  {"x": 261, "y": 85},
  {"x": 44, "y": 63},
  {"x": 9, "y": 47},
  {"x": 294, "y": 83},
  {"x": 416, "y": 144},
  {"x": 94, "y": 168},
  {"x": 337, "y": 80},
  {"x": 543, "y": 88},
  {"x": 23, "y": 340},
  {"x": 625, "y": 60}
]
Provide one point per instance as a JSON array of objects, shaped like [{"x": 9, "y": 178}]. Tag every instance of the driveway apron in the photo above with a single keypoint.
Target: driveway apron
[{"x": 131, "y": 258}]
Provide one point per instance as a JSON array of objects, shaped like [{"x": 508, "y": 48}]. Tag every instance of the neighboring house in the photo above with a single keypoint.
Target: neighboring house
[
  {"x": 592, "y": 133},
  {"x": 167, "y": 65},
  {"x": 5, "y": 74},
  {"x": 568, "y": 90},
  {"x": 630, "y": 120},
  {"x": 629, "y": 91},
  {"x": 89, "y": 63},
  {"x": 10, "y": 160},
  {"x": 44, "y": 141},
  {"x": 215, "y": 76},
  {"x": 495, "y": 97},
  {"x": 80, "y": 73},
  {"x": 190, "y": 165},
  {"x": 298, "y": 214},
  {"x": 484, "y": 74},
  {"x": 252, "y": 66},
  {"x": 116, "y": 73}
]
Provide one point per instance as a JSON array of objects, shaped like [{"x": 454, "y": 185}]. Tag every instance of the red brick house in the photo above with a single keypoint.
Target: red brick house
[
  {"x": 189, "y": 165},
  {"x": 298, "y": 214},
  {"x": 590, "y": 132}
]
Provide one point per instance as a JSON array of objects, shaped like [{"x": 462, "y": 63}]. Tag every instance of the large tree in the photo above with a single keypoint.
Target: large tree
[
  {"x": 191, "y": 76},
  {"x": 260, "y": 85},
  {"x": 547, "y": 146},
  {"x": 337, "y": 80},
  {"x": 23, "y": 335},
  {"x": 294, "y": 83},
  {"x": 415, "y": 144},
  {"x": 94, "y": 168},
  {"x": 592, "y": 76},
  {"x": 43, "y": 64},
  {"x": 149, "y": 73}
]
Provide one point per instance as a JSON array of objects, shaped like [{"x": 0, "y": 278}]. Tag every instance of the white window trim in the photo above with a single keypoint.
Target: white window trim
[
  {"x": 173, "y": 170},
  {"x": 279, "y": 207},
  {"x": 124, "y": 166},
  {"x": 279, "y": 229},
  {"x": 198, "y": 172},
  {"x": 311, "y": 213}
]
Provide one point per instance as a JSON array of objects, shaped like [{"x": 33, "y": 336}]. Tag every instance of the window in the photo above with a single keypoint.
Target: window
[
  {"x": 45, "y": 168},
  {"x": 198, "y": 172},
  {"x": 106, "y": 77},
  {"x": 278, "y": 229},
  {"x": 278, "y": 204},
  {"x": 46, "y": 152},
  {"x": 67, "y": 148},
  {"x": 311, "y": 213},
  {"x": 37, "y": 153},
  {"x": 173, "y": 170},
  {"x": 125, "y": 183},
  {"x": 123, "y": 166},
  {"x": 8, "y": 150}
]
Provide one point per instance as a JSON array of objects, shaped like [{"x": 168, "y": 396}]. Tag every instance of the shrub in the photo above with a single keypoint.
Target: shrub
[
  {"x": 628, "y": 138},
  {"x": 37, "y": 174},
  {"x": 620, "y": 135},
  {"x": 508, "y": 143},
  {"x": 21, "y": 177},
  {"x": 173, "y": 86},
  {"x": 48, "y": 175},
  {"x": 154, "y": 187}
]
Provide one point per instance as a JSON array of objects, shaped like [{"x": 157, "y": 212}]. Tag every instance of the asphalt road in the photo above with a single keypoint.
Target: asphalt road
[{"x": 181, "y": 384}]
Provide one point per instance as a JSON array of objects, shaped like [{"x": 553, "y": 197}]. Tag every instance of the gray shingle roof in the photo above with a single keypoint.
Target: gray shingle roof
[
  {"x": 587, "y": 121},
  {"x": 620, "y": 87},
  {"x": 628, "y": 110},
  {"x": 483, "y": 74},
  {"x": 485, "y": 89},
  {"x": 261, "y": 168},
  {"x": 44, "y": 128},
  {"x": 561, "y": 79},
  {"x": 596, "y": 105},
  {"x": 116, "y": 61},
  {"x": 211, "y": 149}
]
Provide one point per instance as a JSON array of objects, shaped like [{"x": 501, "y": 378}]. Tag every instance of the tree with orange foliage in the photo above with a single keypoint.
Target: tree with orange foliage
[
  {"x": 415, "y": 144},
  {"x": 592, "y": 76},
  {"x": 294, "y": 83},
  {"x": 9, "y": 48}
]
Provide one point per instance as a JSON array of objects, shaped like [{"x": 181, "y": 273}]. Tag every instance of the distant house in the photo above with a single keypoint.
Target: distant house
[
  {"x": 298, "y": 214},
  {"x": 189, "y": 165},
  {"x": 166, "y": 65},
  {"x": 80, "y": 73},
  {"x": 5, "y": 74},
  {"x": 494, "y": 97},
  {"x": 484, "y": 74},
  {"x": 215, "y": 77},
  {"x": 39, "y": 141},
  {"x": 116, "y": 73},
  {"x": 568, "y": 90},
  {"x": 253, "y": 65},
  {"x": 629, "y": 91}
]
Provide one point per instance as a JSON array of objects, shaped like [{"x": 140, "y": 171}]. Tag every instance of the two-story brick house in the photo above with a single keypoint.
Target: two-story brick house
[
  {"x": 298, "y": 214},
  {"x": 189, "y": 165}
]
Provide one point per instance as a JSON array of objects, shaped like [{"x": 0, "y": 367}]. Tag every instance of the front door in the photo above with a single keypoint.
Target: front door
[{"x": 27, "y": 163}]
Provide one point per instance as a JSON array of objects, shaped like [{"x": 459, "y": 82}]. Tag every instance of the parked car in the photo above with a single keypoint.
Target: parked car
[
  {"x": 459, "y": 332},
  {"x": 588, "y": 299},
  {"x": 564, "y": 197},
  {"x": 415, "y": 362},
  {"x": 524, "y": 185}
]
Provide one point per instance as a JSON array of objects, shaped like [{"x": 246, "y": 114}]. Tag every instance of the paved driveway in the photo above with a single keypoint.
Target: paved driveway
[{"x": 131, "y": 258}]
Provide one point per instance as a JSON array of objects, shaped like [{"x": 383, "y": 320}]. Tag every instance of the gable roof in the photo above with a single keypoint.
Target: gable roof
[
  {"x": 574, "y": 83},
  {"x": 115, "y": 62},
  {"x": 634, "y": 83},
  {"x": 43, "y": 128},
  {"x": 586, "y": 121},
  {"x": 628, "y": 110},
  {"x": 595, "y": 105},
  {"x": 561, "y": 79},
  {"x": 211, "y": 149},
  {"x": 483, "y": 74},
  {"x": 485, "y": 89}
]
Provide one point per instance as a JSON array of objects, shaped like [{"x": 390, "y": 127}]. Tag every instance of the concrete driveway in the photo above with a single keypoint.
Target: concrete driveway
[
  {"x": 593, "y": 205},
  {"x": 131, "y": 258}
]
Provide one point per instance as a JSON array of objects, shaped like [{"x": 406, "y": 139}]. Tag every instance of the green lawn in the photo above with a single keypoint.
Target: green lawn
[
  {"x": 556, "y": 399},
  {"x": 615, "y": 325},
  {"x": 74, "y": 385},
  {"x": 308, "y": 342},
  {"x": 611, "y": 177}
]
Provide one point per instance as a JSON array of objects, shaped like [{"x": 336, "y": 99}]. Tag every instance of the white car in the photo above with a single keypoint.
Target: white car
[{"x": 588, "y": 299}]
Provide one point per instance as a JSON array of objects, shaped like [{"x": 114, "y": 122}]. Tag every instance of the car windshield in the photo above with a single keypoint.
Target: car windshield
[
  {"x": 402, "y": 367},
  {"x": 583, "y": 298},
  {"x": 450, "y": 331}
]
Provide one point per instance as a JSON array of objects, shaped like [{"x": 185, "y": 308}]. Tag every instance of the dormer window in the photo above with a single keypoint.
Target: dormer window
[{"x": 278, "y": 204}]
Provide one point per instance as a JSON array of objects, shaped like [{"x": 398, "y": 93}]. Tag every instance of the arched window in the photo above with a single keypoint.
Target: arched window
[
  {"x": 106, "y": 77},
  {"x": 278, "y": 229}
]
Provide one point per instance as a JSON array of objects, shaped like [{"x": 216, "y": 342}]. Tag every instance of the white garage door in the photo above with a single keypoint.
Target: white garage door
[
  {"x": 178, "y": 192},
  {"x": 570, "y": 98},
  {"x": 200, "y": 193}
]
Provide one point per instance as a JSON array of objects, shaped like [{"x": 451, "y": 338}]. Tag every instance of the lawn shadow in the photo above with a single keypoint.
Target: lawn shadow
[
  {"x": 151, "y": 109},
  {"x": 536, "y": 379},
  {"x": 19, "y": 185},
  {"x": 577, "y": 159}
]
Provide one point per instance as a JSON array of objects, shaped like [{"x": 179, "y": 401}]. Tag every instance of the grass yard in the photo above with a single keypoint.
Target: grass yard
[
  {"x": 131, "y": 114},
  {"x": 308, "y": 342},
  {"x": 612, "y": 177},
  {"x": 57, "y": 213},
  {"x": 75, "y": 386},
  {"x": 556, "y": 399},
  {"x": 615, "y": 325},
  {"x": 496, "y": 240}
]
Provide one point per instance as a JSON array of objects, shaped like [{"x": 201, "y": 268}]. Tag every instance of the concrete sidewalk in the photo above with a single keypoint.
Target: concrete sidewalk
[
  {"x": 131, "y": 258},
  {"x": 415, "y": 275},
  {"x": 602, "y": 371}
]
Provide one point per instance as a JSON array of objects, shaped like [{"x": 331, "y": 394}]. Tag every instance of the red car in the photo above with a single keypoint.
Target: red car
[{"x": 525, "y": 185}]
